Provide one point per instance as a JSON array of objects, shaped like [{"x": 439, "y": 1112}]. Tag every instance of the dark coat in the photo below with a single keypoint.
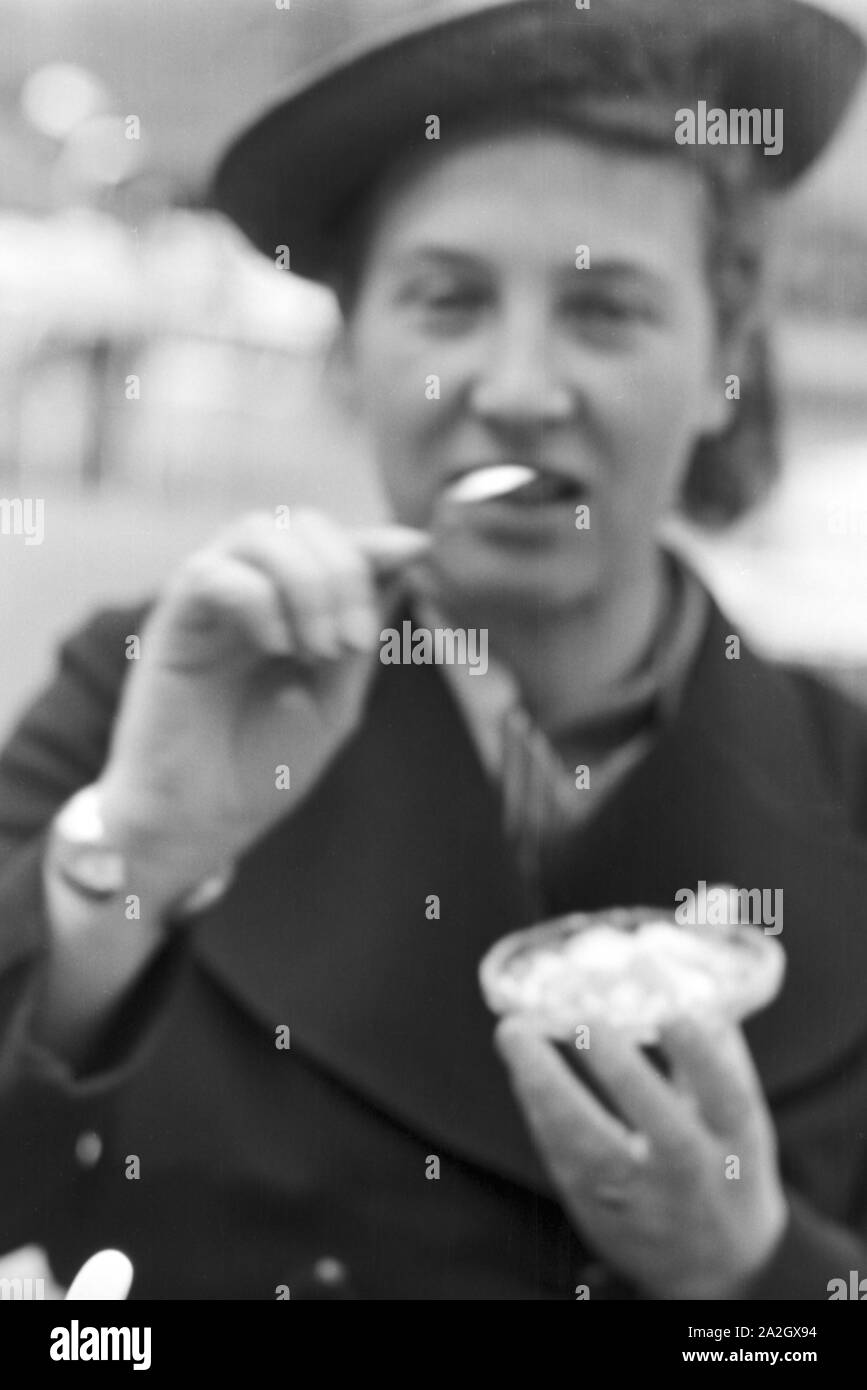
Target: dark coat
[{"x": 256, "y": 1164}]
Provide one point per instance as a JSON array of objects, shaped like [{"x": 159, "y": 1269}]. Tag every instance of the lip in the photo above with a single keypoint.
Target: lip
[{"x": 526, "y": 528}]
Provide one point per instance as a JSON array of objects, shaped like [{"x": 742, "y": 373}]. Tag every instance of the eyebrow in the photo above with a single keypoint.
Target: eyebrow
[
  {"x": 450, "y": 258},
  {"x": 444, "y": 256}
]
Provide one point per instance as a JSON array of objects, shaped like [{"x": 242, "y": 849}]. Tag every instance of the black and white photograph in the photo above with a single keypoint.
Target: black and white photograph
[{"x": 433, "y": 662}]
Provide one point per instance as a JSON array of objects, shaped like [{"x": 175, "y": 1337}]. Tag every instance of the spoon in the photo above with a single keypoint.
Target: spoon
[
  {"x": 391, "y": 548},
  {"x": 484, "y": 484}
]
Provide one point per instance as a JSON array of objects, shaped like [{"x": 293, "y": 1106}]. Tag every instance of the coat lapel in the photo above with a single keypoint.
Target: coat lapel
[{"x": 326, "y": 927}]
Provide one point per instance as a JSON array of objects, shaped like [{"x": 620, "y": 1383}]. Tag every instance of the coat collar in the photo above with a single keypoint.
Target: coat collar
[{"x": 326, "y": 929}]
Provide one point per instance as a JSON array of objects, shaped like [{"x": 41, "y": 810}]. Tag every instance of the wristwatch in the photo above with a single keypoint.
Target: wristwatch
[{"x": 86, "y": 860}]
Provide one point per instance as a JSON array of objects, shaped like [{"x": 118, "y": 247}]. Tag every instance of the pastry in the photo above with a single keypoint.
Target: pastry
[{"x": 636, "y": 967}]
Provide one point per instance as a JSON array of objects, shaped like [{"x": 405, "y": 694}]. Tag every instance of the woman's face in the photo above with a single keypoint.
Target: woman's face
[{"x": 476, "y": 339}]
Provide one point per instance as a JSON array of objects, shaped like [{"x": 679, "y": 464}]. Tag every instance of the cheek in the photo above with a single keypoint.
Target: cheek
[
  {"x": 396, "y": 393},
  {"x": 408, "y": 408},
  {"x": 399, "y": 419},
  {"x": 661, "y": 412}
]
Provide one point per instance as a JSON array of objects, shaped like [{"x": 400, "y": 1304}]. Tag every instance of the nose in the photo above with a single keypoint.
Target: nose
[{"x": 519, "y": 382}]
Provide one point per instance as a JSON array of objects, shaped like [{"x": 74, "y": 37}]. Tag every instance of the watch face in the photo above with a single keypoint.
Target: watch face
[{"x": 634, "y": 967}]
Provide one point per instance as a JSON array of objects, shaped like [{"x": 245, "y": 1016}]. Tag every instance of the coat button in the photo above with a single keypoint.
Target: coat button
[
  {"x": 88, "y": 1149},
  {"x": 330, "y": 1272}
]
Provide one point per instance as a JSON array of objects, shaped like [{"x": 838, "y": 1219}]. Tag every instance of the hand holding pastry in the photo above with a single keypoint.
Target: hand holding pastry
[{"x": 653, "y": 1188}]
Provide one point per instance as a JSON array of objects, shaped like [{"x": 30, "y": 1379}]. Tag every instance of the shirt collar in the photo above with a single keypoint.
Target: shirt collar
[{"x": 650, "y": 695}]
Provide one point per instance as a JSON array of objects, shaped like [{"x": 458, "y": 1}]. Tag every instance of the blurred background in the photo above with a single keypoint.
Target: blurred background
[{"x": 156, "y": 376}]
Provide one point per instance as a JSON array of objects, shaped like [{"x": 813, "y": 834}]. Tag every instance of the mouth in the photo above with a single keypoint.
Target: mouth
[{"x": 519, "y": 485}]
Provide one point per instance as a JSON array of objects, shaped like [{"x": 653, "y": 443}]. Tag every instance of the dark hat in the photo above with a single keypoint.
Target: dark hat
[{"x": 292, "y": 177}]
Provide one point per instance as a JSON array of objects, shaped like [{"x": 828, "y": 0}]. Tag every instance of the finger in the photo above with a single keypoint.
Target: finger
[
  {"x": 573, "y": 1130},
  {"x": 645, "y": 1099},
  {"x": 390, "y": 548},
  {"x": 215, "y": 591},
  {"x": 300, "y": 582},
  {"x": 350, "y": 579},
  {"x": 711, "y": 1059},
  {"x": 105, "y": 1276}
]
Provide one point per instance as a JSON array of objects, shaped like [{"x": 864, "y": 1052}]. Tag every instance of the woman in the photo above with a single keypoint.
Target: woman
[{"x": 260, "y": 866}]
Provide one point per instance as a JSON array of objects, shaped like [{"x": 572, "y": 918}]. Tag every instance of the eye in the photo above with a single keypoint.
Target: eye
[
  {"x": 446, "y": 300},
  {"x": 452, "y": 300},
  {"x": 608, "y": 317},
  {"x": 607, "y": 307}
]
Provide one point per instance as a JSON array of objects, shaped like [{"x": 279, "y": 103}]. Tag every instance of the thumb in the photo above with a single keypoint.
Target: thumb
[{"x": 390, "y": 548}]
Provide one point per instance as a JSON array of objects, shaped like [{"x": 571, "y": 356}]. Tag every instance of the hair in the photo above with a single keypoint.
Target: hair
[{"x": 620, "y": 86}]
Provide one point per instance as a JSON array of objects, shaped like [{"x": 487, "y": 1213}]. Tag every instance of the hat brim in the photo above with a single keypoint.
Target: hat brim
[{"x": 289, "y": 178}]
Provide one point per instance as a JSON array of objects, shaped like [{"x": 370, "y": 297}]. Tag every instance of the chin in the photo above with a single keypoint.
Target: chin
[{"x": 531, "y": 584}]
